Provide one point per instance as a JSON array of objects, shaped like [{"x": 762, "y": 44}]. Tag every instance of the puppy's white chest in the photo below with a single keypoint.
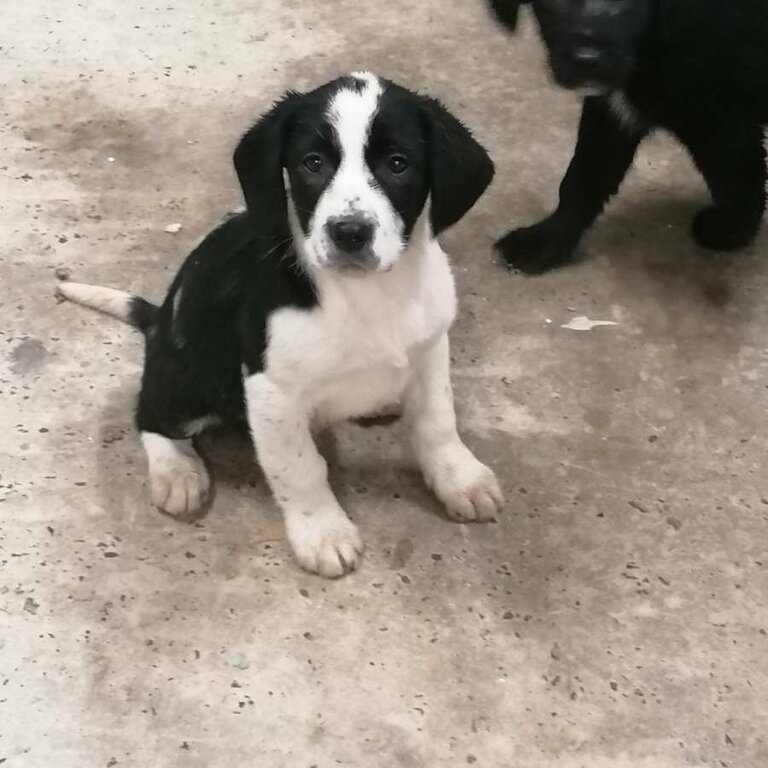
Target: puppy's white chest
[
  {"x": 372, "y": 365},
  {"x": 361, "y": 392},
  {"x": 355, "y": 354}
]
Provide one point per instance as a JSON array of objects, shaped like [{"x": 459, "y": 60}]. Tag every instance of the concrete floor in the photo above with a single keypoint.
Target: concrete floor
[{"x": 616, "y": 616}]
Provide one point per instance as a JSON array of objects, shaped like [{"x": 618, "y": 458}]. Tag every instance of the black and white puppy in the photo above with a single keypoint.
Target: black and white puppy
[
  {"x": 328, "y": 298},
  {"x": 696, "y": 68}
]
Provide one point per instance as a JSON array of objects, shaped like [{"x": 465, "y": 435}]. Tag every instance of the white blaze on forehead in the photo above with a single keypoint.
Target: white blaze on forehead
[{"x": 351, "y": 113}]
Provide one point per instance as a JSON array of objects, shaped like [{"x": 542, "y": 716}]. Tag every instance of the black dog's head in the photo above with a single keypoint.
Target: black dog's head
[
  {"x": 348, "y": 169},
  {"x": 592, "y": 44}
]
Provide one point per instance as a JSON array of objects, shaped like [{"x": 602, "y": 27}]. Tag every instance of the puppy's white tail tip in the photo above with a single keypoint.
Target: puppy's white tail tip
[
  {"x": 120, "y": 304},
  {"x": 107, "y": 300}
]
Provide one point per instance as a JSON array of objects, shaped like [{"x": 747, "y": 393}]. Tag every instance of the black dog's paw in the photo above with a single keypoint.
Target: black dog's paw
[
  {"x": 535, "y": 249},
  {"x": 720, "y": 229}
]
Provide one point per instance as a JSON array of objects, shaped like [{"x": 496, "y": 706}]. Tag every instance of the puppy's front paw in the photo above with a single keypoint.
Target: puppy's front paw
[
  {"x": 326, "y": 543},
  {"x": 536, "y": 249},
  {"x": 179, "y": 486},
  {"x": 468, "y": 489},
  {"x": 722, "y": 229}
]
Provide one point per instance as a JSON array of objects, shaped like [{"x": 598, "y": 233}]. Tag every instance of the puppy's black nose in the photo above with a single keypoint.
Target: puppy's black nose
[{"x": 350, "y": 233}]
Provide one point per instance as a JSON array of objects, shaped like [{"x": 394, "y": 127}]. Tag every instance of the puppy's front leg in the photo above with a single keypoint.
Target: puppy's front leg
[
  {"x": 322, "y": 537},
  {"x": 466, "y": 487},
  {"x": 604, "y": 152}
]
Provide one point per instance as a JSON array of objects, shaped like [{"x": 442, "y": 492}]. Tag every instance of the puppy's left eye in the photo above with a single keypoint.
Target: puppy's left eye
[
  {"x": 397, "y": 164},
  {"x": 313, "y": 162}
]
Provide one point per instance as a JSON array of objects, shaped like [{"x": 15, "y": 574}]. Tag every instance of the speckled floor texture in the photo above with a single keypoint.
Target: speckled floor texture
[{"x": 616, "y": 617}]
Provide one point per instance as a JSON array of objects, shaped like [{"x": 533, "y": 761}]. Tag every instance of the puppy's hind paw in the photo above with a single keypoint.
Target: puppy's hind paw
[
  {"x": 179, "y": 487},
  {"x": 718, "y": 228}
]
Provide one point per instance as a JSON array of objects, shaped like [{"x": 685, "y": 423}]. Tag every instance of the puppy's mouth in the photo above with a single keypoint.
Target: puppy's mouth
[
  {"x": 588, "y": 69},
  {"x": 353, "y": 264}
]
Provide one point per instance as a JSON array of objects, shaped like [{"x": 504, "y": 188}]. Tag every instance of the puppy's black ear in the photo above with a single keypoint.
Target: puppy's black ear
[
  {"x": 259, "y": 163},
  {"x": 505, "y": 11},
  {"x": 460, "y": 169}
]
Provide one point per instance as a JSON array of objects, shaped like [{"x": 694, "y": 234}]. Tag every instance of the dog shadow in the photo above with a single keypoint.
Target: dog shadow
[
  {"x": 367, "y": 469},
  {"x": 651, "y": 249}
]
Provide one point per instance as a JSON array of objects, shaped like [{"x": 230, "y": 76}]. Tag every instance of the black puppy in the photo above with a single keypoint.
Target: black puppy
[{"x": 697, "y": 68}]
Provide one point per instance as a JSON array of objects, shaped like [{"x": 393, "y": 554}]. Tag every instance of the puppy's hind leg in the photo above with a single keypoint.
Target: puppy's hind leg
[
  {"x": 178, "y": 480},
  {"x": 731, "y": 157}
]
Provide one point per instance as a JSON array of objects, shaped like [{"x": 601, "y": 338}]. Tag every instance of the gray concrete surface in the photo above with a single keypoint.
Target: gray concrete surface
[{"x": 616, "y": 617}]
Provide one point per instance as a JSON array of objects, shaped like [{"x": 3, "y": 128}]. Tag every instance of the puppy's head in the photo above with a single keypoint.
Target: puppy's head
[
  {"x": 351, "y": 165},
  {"x": 592, "y": 44}
]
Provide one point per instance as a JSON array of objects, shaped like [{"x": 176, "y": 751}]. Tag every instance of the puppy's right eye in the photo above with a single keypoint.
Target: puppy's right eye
[
  {"x": 397, "y": 164},
  {"x": 313, "y": 162}
]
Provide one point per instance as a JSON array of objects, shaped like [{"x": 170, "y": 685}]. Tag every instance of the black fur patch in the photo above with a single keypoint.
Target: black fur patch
[
  {"x": 444, "y": 160},
  {"x": 142, "y": 314},
  {"x": 223, "y": 296}
]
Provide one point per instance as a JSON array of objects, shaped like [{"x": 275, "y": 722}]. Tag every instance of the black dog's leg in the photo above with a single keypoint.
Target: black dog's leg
[
  {"x": 605, "y": 149},
  {"x": 732, "y": 160}
]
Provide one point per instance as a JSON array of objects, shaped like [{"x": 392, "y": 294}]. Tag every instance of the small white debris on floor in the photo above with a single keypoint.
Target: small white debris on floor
[
  {"x": 583, "y": 323},
  {"x": 172, "y": 229}
]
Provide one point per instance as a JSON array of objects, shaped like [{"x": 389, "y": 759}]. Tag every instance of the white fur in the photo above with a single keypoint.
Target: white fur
[
  {"x": 107, "y": 300},
  {"x": 178, "y": 479},
  {"x": 624, "y": 112},
  {"x": 178, "y": 336},
  {"x": 177, "y": 302},
  {"x": 353, "y": 190},
  {"x": 589, "y": 89},
  {"x": 467, "y": 488},
  {"x": 371, "y": 342},
  {"x": 196, "y": 426}
]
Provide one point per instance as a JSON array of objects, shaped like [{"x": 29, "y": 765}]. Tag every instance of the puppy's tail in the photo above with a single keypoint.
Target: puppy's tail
[{"x": 134, "y": 310}]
